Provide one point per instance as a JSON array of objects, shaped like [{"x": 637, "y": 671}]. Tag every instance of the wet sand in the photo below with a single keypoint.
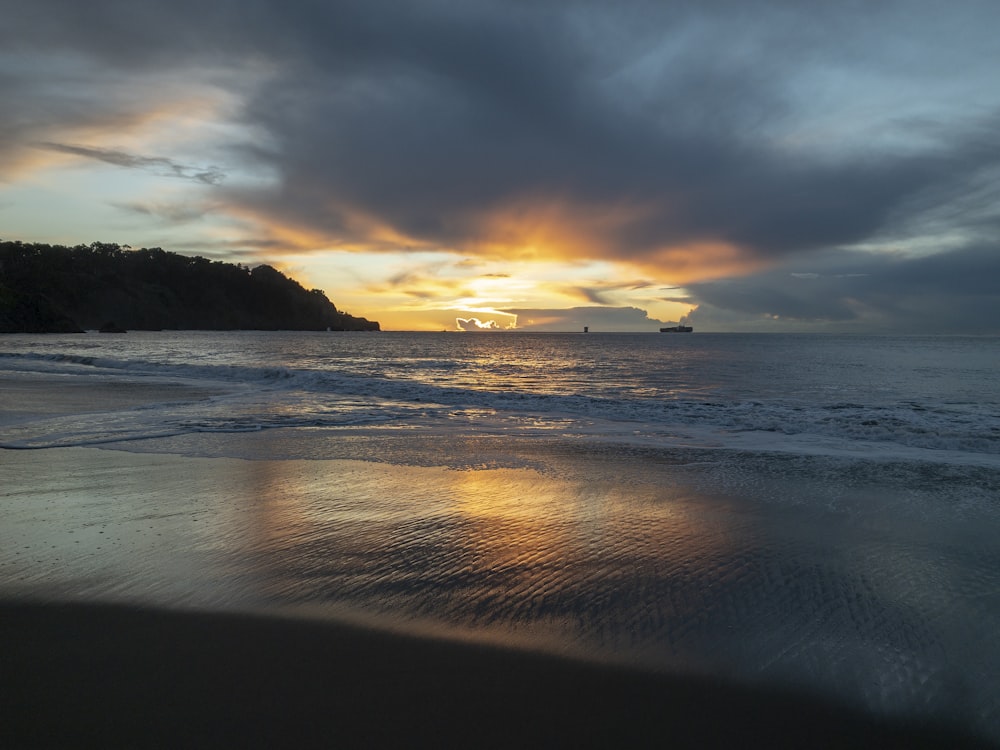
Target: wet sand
[
  {"x": 111, "y": 676},
  {"x": 151, "y": 561},
  {"x": 172, "y": 657}
]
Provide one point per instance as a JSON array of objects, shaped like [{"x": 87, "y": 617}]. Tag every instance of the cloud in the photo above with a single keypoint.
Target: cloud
[
  {"x": 441, "y": 123},
  {"x": 63, "y": 92},
  {"x": 597, "y": 319},
  {"x": 475, "y": 131},
  {"x": 170, "y": 213},
  {"x": 475, "y": 324},
  {"x": 423, "y": 281},
  {"x": 698, "y": 142},
  {"x": 162, "y": 165},
  {"x": 596, "y": 296},
  {"x": 951, "y": 291}
]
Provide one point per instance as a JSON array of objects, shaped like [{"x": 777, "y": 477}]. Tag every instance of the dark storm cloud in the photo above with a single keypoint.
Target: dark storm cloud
[
  {"x": 942, "y": 292},
  {"x": 432, "y": 119},
  {"x": 687, "y": 119}
]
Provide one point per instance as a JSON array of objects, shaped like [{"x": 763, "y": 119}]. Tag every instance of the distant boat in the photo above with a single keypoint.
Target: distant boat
[{"x": 677, "y": 329}]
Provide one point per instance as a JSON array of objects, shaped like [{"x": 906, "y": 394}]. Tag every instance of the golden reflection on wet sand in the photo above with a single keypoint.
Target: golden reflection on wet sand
[
  {"x": 612, "y": 556},
  {"x": 501, "y": 550},
  {"x": 485, "y": 548}
]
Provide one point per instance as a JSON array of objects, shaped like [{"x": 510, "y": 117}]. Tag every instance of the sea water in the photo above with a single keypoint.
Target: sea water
[
  {"x": 810, "y": 509},
  {"x": 934, "y": 399}
]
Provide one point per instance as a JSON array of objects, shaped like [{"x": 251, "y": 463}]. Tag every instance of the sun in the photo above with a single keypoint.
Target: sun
[{"x": 495, "y": 290}]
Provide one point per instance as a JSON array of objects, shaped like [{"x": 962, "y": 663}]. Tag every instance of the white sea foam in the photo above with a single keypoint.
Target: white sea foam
[{"x": 349, "y": 392}]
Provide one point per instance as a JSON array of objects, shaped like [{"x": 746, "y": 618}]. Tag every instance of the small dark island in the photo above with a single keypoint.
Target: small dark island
[{"x": 58, "y": 289}]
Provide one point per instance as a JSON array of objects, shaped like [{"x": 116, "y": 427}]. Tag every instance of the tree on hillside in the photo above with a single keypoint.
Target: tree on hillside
[{"x": 53, "y": 287}]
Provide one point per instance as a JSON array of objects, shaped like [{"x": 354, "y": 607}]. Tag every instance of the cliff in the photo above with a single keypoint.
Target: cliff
[{"x": 53, "y": 288}]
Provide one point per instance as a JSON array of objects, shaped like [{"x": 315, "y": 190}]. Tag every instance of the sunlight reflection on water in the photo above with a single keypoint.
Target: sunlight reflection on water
[{"x": 613, "y": 556}]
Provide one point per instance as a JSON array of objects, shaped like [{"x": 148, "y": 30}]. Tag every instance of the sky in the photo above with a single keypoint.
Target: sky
[{"x": 777, "y": 165}]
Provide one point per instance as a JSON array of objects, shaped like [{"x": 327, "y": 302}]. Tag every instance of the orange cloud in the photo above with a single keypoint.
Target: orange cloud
[
  {"x": 528, "y": 230},
  {"x": 699, "y": 261},
  {"x": 137, "y": 125},
  {"x": 545, "y": 228},
  {"x": 558, "y": 230}
]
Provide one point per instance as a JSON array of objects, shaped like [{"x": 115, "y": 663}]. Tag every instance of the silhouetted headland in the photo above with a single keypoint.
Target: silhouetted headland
[{"x": 59, "y": 289}]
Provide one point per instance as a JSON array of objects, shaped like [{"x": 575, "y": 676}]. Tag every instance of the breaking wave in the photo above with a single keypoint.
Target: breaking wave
[{"x": 439, "y": 393}]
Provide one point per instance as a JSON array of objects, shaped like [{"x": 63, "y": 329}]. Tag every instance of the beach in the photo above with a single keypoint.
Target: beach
[
  {"x": 221, "y": 618},
  {"x": 193, "y": 557},
  {"x": 107, "y": 676}
]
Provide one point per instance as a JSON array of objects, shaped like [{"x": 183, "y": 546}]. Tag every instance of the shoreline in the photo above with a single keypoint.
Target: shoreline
[
  {"x": 110, "y": 675},
  {"x": 820, "y": 571}
]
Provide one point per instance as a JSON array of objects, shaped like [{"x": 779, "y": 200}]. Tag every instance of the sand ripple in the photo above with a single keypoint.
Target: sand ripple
[{"x": 894, "y": 610}]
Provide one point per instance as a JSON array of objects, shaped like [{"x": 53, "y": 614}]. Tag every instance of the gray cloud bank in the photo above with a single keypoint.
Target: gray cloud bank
[
  {"x": 767, "y": 127},
  {"x": 948, "y": 292},
  {"x": 595, "y": 318}
]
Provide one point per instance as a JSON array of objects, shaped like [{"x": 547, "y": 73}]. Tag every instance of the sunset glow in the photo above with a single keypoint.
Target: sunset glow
[{"x": 535, "y": 183}]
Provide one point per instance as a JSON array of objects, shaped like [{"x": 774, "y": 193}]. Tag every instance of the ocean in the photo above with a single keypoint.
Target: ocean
[
  {"x": 819, "y": 511},
  {"x": 934, "y": 399}
]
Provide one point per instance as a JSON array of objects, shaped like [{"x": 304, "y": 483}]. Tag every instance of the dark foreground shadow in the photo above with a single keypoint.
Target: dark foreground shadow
[{"x": 104, "y": 676}]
